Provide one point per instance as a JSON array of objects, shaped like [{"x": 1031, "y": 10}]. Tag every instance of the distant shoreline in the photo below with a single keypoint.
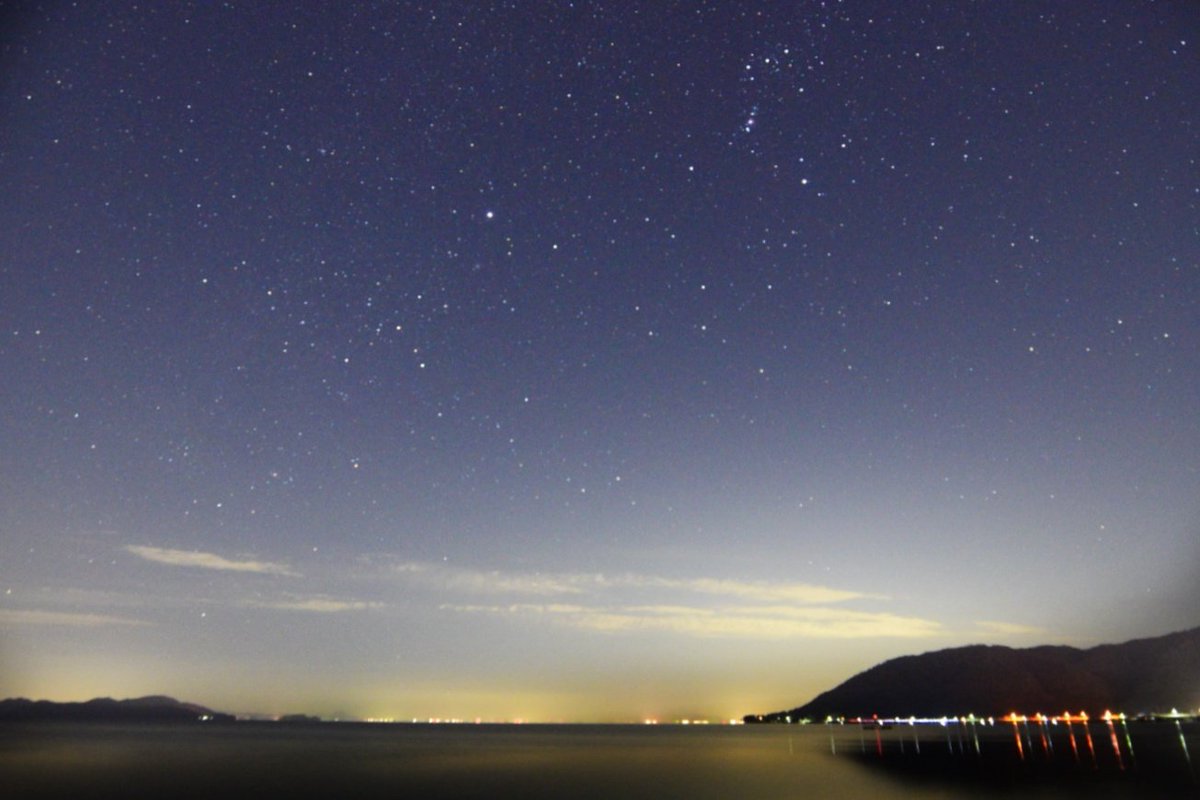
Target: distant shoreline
[{"x": 154, "y": 708}]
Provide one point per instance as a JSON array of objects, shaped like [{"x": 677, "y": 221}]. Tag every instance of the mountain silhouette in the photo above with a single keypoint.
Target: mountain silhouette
[
  {"x": 1139, "y": 676},
  {"x": 154, "y": 708}
]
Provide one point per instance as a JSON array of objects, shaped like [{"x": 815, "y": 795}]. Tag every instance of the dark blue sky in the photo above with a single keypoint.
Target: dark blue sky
[{"x": 450, "y": 359}]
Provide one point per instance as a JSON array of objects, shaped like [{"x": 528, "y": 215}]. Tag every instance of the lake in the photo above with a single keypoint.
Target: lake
[{"x": 58, "y": 760}]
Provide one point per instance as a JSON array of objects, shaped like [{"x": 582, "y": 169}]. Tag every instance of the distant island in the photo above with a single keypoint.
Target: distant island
[
  {"x": 155, "y": 708},
  {"x": 1139, "y": 676}
]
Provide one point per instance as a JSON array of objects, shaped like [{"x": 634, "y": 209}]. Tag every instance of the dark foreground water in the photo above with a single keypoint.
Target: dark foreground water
[{"x": 266, "y": 760}]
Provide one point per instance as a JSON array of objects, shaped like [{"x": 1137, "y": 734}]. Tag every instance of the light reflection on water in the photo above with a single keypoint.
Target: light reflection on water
[{"x": 462, "y": 761}]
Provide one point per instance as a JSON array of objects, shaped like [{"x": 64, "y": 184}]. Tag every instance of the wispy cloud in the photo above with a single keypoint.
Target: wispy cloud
[
  {"x": 491, "y": 582},
  {"x": 195, "y": 558},
  {"x": 698, "y": 606},
  {"x": 320, "y": 605},
  {"x": 1007, "y": 628},
  {"x": 35, "y": 617},
  {"x": 547, "y": 584},
  {"x": 746, "y": 590},
  {"x": 757, "y": 622}
]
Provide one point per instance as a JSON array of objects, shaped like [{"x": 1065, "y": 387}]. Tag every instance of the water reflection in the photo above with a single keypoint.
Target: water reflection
[
  {"x": 1041, "y": 751},
  {"x": 430, "y": 761}
]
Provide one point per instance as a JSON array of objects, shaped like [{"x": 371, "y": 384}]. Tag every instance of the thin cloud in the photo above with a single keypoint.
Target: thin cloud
[
  {"x": 35, "y": 617},
  {"x": 753, "y": 622},
  {"x": 547, "y": 584},
  {"x": 195, "y": 558},
  {"x": 1007, "y": 628},
  {"x": 490, "y": 582},
  {"x": 748, "y": 590},
  {"x": 320, "y": 605},
  {"x": 684, "y": 606}
]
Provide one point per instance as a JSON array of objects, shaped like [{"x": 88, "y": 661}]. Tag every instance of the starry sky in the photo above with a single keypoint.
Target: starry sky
[{"x": 593, "y": 360}]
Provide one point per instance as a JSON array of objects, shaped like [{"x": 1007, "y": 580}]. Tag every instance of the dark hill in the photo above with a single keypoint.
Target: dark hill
[
  {"x": 105, "y": 709},
  {"x": 1143, "y": 675}
]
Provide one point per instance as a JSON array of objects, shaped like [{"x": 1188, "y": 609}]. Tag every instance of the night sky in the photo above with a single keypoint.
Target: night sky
[{"x": 589, "y": 361}]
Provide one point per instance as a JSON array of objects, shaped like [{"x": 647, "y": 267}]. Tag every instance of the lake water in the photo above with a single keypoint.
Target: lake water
[{"x": 571, "y": 761}]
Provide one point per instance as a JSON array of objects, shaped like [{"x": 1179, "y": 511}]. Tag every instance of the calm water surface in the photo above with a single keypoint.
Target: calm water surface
[{"x": 469, "y": 761}]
